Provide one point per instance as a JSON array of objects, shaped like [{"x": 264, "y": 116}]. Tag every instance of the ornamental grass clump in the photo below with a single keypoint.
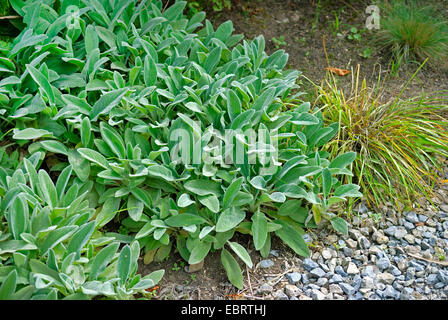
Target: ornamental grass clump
[
  {"x": 412, "y": 30},
  {"x": 128, "y": 113},
  {"x": 398, "y": 141}
]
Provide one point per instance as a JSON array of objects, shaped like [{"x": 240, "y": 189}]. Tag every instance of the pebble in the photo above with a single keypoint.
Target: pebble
[
  {"x": 383, "y": 263},
  {"x": 386, "y": 278},
  {"x": 265, "y": 288},
  {"x": 309, "y": 264},
  {"x": 266, "y": 264},
  {"x": 291, "y": 290},
  {"x": 317, "y": 273},
  {"x": 352, "y": 269},
  {"x": 335, "y": 289},
  {"x": 348, "y": 289},
  {"x": 293, "y": 277},
  {"x": 411, "y": 216}
]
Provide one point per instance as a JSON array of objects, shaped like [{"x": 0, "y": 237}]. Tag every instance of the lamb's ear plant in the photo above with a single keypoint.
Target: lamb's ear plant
[
  {"x": 129, "y": 105},
  {"x": 50, "y": 246}
]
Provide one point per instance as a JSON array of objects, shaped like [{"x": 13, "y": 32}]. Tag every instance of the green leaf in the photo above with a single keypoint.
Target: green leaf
[
  {"x": 232, "y": 268},
  {"x": 339, "y": 225},
  {"x": 184, "y": 200},
  {"x": 343, "y": 160},
  {"x": 80, "y": 239},
  {"x": 259, "y": 229},
  {"x": 108, "y": 211},
  {"x": 233, "y": 105},
  {"x": 124, "y": 264},
  {"x": 30, "y": 133},
  {"x": 54, "y": 146},
  {"x": 241, "y": 252},
  {"x": 229, "y": 219},
  {"x": 347, "y": 190},
  {"x": 203, "y": 187},
  {"x": 91, "y": 39},
  {"x": 86, "y": 130},
  {"x": 135, "y": 208},
  {"x": 80, "y": 165},
  {"x": 107, "y": 102},
  {"x": 94, "y": 156},
  {"x": 48, "y": 189},
  {"x": 326, "y": 182},
  {"x": 232, "y": 191},
  {"x": 145, "y": 230},
  {"x": 42, "y": 82},
  {"x": 62, "y": 181},
  {"x": 55, "y": 237},
  {"x": 292, "y": 238},
  {"x": 184, "y": 219},
  {"x": 210, "y": 202},
  {"x": 212, "y": 60},
  {"x": 199, "y": 252},
  {"x": 113, "y": 140},
  {"x": 149, "y": 71},
  {"x": 102, "y": 259},
  {"x": 19, "y": 216},
  {"x": 9, "y": 286}
]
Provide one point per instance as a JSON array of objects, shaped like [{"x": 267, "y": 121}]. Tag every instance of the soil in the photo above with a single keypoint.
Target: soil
[{"x": 303, "y": 25}]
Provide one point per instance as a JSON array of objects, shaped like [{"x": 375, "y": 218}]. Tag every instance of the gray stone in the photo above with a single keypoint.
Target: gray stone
[
  {"x": 293, "y": 277},
  {"x": 390, "y": 231},
  {"x": 442, "y": 275},
  {"x": 422, "y": 218},
  {"x": 432, "y": 279},
  {"x": 348, "y": 289},
  {"x": 364, "y": 243},
  {"x": 317, "y": 295},
  {"x": 309, "y": 264},
  {"x": 321, "y": 282},
  {"x": 336, "y": 279},
  {"x": 292, "y": 290},
  {"x": 352, "y": 269},
  {"x": 368, "y": 283},
  {"x": 326, "y": 254},
  {"x": 390, "y": 292},
  {"x": 400, "y": 233},
  {"x": 408, "y": 225},
  {"x": 386, "y": 278},
  {"x": 352, "y": 244},
  {"x": 356, "y": 282},
  {"x": 339, "y": 270},
  {"x": 305, "y": 279},
  {"x": 411, "y": 216},
  {"x": 335, "y": 289},
  {"x": 409, "y": 238},
  {"x": 273, "y": 253},
  {"x": 383, "y": 263},
  {"x": 394, "y": 270},
  {"x": 265, "y": 288},
  {"x": 317, "y": 273},
  {"x": 266, "y": 263},
  {"x": 368, "y": 272},
  {"x": 280, "y": 295}
]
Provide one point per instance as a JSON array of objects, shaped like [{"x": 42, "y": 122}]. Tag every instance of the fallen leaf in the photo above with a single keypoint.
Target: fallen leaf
[
  {"x": 419, "y": 224},
  {"x": 339, "y": 72},
  {"x": 444, "y": 181}
]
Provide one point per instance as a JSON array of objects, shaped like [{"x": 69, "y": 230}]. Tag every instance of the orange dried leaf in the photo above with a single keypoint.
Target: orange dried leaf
[
  {"x": 444, "y": 181},
  {"x": 339, "y": 72}
]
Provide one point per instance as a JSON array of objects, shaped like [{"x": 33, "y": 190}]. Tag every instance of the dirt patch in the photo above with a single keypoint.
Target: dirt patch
[
  {"x": 211, "y": 282},
  {"x": 301, "y": 26}
]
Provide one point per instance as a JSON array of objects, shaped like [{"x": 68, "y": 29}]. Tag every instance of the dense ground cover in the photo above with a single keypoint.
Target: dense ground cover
[{"x": 96, "y": 97}]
